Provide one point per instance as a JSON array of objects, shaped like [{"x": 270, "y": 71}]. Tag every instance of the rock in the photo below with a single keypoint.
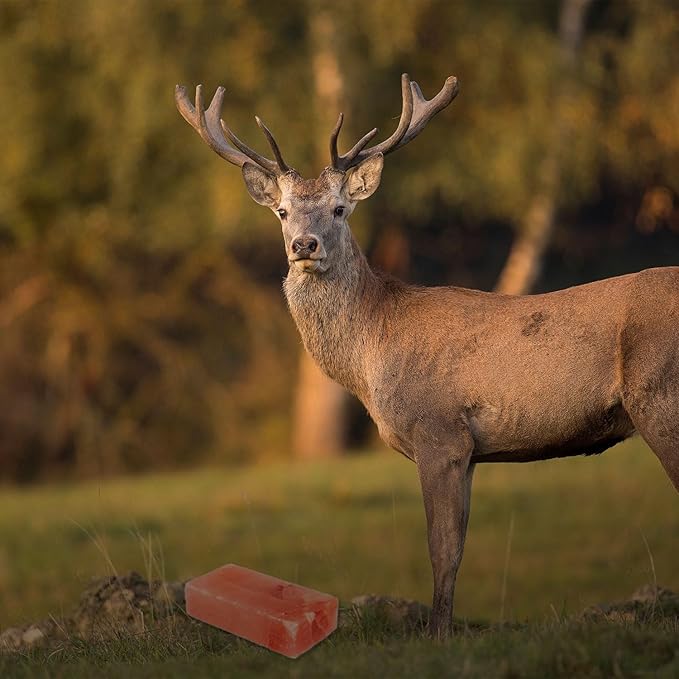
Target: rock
[{"x": 32, "y": 635}]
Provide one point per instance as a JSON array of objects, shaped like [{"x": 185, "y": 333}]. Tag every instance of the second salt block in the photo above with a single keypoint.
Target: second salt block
[{"x": 279, "y": 615}]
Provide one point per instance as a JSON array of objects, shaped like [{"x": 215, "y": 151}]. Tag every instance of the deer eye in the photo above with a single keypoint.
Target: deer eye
[
  {"x": 282, "y": 213},
  {"x": 339, "y": 210}
]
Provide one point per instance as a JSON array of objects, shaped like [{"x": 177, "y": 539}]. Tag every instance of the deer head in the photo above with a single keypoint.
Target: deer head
[{"x": 313, "y": 212}]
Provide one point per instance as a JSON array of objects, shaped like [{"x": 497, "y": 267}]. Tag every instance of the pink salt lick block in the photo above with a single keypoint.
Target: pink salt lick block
[{"x": 279, "y": 615}]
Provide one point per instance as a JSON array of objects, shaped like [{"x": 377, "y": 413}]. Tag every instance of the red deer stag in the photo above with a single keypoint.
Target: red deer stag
[{"x": 455, "y": 377}]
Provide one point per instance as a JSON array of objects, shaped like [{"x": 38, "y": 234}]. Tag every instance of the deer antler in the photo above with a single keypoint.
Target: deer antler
[
  {"x": 416, "y": 112},
  {"x": 211, "y": 128}
]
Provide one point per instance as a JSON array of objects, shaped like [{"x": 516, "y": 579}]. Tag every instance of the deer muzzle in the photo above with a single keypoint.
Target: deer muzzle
[{"x": 307, "y": 253}]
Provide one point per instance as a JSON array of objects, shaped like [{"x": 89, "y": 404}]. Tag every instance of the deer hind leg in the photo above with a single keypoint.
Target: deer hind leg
[{"x": 446, "y": 479}]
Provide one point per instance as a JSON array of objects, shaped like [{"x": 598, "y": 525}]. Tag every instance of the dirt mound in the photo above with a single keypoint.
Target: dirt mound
[
  {"x": 109, "y": 606},
  {"x": 647, "y": 603},
  {"x": 129, "y": 604}
]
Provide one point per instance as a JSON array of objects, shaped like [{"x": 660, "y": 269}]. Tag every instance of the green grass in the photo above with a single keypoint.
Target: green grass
[
  {"x": 539, "y": 651},
  {"x": 585, "y": 530}
]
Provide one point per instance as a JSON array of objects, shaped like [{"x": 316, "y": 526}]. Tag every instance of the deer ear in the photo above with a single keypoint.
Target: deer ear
[
  {"x": 361, "y": 182},
  {"x": 261, "y": 185}
]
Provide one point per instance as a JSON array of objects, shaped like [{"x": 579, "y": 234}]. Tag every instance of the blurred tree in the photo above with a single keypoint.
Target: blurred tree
[
  {"x": 525, "y": 258},
  {"x": 320, "y": 415},
  {"x": 141, "y": 318},
  {"x": 132, "y": 336}
]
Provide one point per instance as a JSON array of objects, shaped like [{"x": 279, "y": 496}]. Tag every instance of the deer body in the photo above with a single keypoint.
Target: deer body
[
  {"x": 455, "y": 377},
  {"x": 530, "y": 377}
]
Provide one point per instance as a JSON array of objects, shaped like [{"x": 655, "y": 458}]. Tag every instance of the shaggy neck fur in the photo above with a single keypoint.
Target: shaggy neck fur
[{"x": 338, "y": 314}]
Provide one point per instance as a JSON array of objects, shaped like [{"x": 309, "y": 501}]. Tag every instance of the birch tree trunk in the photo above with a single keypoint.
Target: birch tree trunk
[
  {"x": 526, "y": 256},
  {"x": 320, "y": 416}
]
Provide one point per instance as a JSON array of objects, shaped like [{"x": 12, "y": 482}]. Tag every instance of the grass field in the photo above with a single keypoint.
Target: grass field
[{"x": 545, "y": 541}]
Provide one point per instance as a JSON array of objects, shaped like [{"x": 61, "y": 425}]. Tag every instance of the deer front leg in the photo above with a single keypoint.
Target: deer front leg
[{"x": 446, "y": 479}]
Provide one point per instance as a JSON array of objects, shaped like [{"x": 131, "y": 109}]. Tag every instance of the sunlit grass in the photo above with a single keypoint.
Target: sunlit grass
[{"x": 352, "y": 526}]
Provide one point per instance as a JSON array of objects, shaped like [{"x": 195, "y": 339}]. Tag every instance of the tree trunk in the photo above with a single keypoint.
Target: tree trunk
[
  {"x": 320, "y": 416},
  {"x": 525, "y": 258}
]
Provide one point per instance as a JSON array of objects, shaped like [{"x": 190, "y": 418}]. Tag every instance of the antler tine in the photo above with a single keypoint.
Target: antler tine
[
  {"x": 282, "y": 166},
  {"x": 250, "y": 153},
  {"x": 211, "y": 128},
  {"x": 184, "y": 105},
  {"x": 334, "y": 135},
  {"x": 389, "y": 145},
  {"x": 358, "y": 151},
  {"x": 358, "y": 146},
  {"x": 341, "y": 162},
  {"x": 202, "y": 121},
  {"x": 416, "y": 112},
  {"x": 426, "y": 109}
]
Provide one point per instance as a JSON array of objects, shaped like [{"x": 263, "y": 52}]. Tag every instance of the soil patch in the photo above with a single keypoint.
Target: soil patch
[{"x": 130, "y": 605}]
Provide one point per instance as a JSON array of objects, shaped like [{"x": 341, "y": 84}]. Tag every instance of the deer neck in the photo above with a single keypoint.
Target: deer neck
[{"x": 335, "y": 313}]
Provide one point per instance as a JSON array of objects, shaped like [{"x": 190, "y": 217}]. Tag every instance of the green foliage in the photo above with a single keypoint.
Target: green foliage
[
  {"x": 140, "y": 311},
  {"x": 133, "y": 335},
  {"x": 642, "y": 137},
  {"x": 483, "y": 156}
]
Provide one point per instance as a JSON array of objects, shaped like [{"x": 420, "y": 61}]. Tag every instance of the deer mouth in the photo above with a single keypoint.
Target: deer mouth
[{"x": 307, "y": 264}]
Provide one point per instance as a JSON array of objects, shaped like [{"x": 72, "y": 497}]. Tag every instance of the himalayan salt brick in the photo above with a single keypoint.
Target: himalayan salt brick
[{"x": 279, "y": 615}]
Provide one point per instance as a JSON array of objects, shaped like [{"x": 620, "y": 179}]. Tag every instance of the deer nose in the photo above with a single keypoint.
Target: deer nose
[{"x": 304, "y": 245}]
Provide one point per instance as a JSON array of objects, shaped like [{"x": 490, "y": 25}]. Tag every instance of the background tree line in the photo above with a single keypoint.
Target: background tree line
[{"x": 141, "y": 318}]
